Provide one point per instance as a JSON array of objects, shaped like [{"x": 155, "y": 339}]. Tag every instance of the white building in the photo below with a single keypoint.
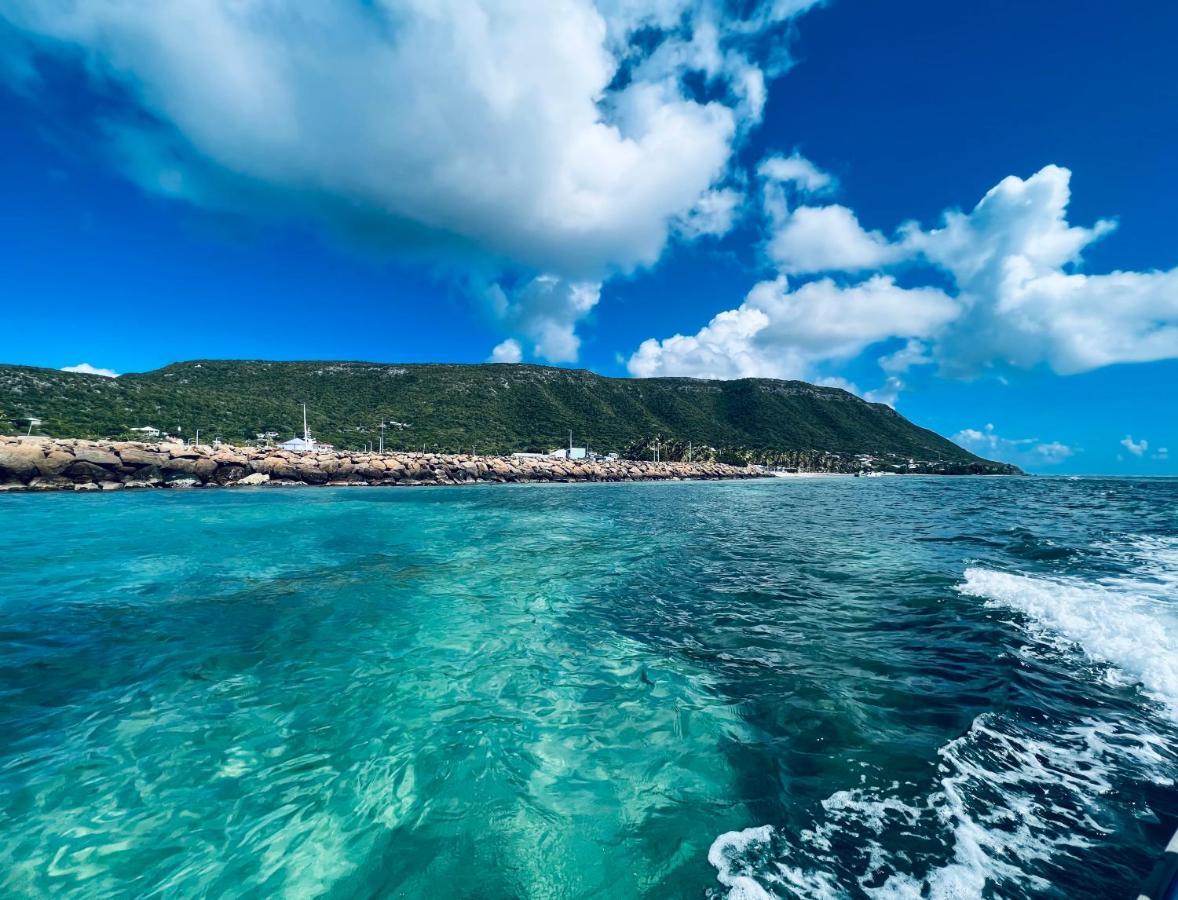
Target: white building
[
  {"x": 304, "y": 445},
  {"x": 148, "y": 431}
]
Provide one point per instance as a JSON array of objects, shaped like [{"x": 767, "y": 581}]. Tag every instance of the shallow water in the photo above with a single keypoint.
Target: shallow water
[{"x": 892, "y": 687}]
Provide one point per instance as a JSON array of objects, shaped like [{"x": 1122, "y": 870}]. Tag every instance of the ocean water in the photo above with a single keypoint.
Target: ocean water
[{"x": 835, "y": 687}]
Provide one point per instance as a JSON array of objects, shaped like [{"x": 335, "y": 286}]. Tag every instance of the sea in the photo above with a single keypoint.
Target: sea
[{"x": 834, "y": 687}]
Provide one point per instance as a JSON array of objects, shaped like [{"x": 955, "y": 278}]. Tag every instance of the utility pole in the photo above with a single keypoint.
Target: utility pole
[
  {"x": 306, "y": 432},
  {"x": 382, "y": 424},
  {"x": 570, "y": 443},
  {"x": 196, "y": 441},
  {"x": 689, "y": 451}
]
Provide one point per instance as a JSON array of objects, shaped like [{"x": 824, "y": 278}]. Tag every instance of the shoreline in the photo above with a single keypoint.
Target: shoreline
[{"x": 59, "y": 464}]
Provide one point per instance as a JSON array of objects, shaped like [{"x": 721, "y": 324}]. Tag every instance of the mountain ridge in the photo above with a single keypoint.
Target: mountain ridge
[{"x": 490, "y": 407}]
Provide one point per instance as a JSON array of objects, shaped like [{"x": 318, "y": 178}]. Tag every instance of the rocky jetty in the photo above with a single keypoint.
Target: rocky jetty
[{"x": 45, "y": 464}]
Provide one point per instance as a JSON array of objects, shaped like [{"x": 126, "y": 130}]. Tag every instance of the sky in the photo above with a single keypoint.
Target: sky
[{"x": 961, "y": 210}]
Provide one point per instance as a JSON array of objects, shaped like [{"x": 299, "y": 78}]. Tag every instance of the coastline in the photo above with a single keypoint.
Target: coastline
[{"x": 56, "y": 464}]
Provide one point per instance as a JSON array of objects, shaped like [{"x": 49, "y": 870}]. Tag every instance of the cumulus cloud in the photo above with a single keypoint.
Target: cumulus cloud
[
  {"x": 796, "y": 171},
  {"x": 546, "y": 311},
  {"x": 1029, "y": 452},
  {"x": 1137, "y": 448},
  {"x": 1017, "y": 296},
  {"x": 1014, "y": 258},
  {"x": 828, "y": 238},
  {"x": 780, "y": 332},
  {"x": 508, "y": 351},
  {"x": 713, "y": 214},
  {"x": 572, "y": 136},
  {"x": 87, "y": 369}
]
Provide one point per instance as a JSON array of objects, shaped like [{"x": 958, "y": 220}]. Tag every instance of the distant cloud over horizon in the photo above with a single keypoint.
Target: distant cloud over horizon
[
  {"x": 1026, "y": 452},
  {"x": 87, "y": 369}
]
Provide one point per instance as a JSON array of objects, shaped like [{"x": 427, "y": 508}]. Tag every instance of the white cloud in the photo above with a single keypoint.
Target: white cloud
[
  {"x": 1013, "y": 258},
  {"x": 913, "y": 353},
  {"x": 797, "y": 171},
  {"x": 567, "y": 137},
  {"x": 1137, "y": 448},
  {"x": 713, "y": 215},
  {"x": 547, "y": 135},
  {"x": 782, "y": 333},
  {"x": 1018, "y": 296},
  {"x": 1054, "y": 451},
  {"x": 87, "y": 369},
  {"x": 546, "y": 311},
  {"x": 828, "y": 238},
  {"x": 1162, "y": 453},
  {"x": 508, "y": 351},
  {"x": 887, "y": 393},
  {"x": 1029, "y": 452}
]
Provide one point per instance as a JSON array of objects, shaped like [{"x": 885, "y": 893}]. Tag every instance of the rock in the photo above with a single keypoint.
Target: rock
[
  {"x": 97, "y": 456},
  {"x": 181, "y": 480},
  {"x": 19, "y": 462},
  {"x": 150, "y": 475},
  {"x": 230, "y": 474},
  {"x": 82, "y": 470},
  {"x": 111, "y": 485},
  {"x": 134, "y": 456},
  {"x": 203, "y": 468},
  {"x": 87, "y": 486},
  {"x": 51, "y": 483},
  {"x": 55, "y": 462},
  {"x": 252, "y": 479}
]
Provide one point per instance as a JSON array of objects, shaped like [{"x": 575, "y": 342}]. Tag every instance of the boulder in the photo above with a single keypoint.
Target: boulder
[
  {"x": 55, "y": 462},
  {"x": 252, "y": 479},
  {"x": 230, "y": 474},
  {"x": 203, "y": 468},
  {"x": 97, "y": 456},
  {"x": 19, "y": 462},
  {"x": 82, "y": 470},
  {"x": 135, "y": 456},
  {"x": 149, "y": 475},
  {"x": 87, "y": 486},
  {"x": 51, "y": 483},
  {"x": 181, "y": 480},
  {"x": 111, "y": 485}
]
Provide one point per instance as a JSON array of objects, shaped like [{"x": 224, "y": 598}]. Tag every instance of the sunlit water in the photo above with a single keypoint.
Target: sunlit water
[{"x": 815, "y": 688}]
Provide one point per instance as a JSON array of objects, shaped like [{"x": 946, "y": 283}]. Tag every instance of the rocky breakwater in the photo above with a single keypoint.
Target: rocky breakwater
[{"x": 44, "y": 464}]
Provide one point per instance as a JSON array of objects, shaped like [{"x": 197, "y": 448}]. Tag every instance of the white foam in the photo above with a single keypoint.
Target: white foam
[
  {"x": 1005, "y": 801},
  {"x": 1128, "y": 621}
]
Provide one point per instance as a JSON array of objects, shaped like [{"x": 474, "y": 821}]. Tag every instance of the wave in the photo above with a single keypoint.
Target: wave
[
  {"x": 1128, "y": 620},
  {"x": 1010, "y": 809},
  {"x": 1015, "y": 805}
]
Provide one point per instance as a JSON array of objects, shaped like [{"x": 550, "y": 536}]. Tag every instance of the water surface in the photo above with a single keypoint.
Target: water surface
[{"x": 815, "y": 688}]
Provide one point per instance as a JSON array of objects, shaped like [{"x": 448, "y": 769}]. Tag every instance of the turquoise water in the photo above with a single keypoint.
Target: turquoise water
[{"x": 799, "y": 687}]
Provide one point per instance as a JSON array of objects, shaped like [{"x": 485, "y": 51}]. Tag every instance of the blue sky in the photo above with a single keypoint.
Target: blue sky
[{"x": 671, "y": 187}]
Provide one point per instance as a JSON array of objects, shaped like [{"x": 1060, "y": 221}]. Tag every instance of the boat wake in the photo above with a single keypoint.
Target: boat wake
[
  {"x": 1128, "y": 620},
  {"x": 1010, "y": 808},
  {"x": 1014, "y": 804}
]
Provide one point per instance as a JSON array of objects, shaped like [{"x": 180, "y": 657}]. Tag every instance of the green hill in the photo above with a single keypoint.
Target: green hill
[{"x": 494, "y": 408}]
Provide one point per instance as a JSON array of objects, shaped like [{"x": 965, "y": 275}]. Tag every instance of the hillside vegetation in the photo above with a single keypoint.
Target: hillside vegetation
[{"x": 491, "y": 408}]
